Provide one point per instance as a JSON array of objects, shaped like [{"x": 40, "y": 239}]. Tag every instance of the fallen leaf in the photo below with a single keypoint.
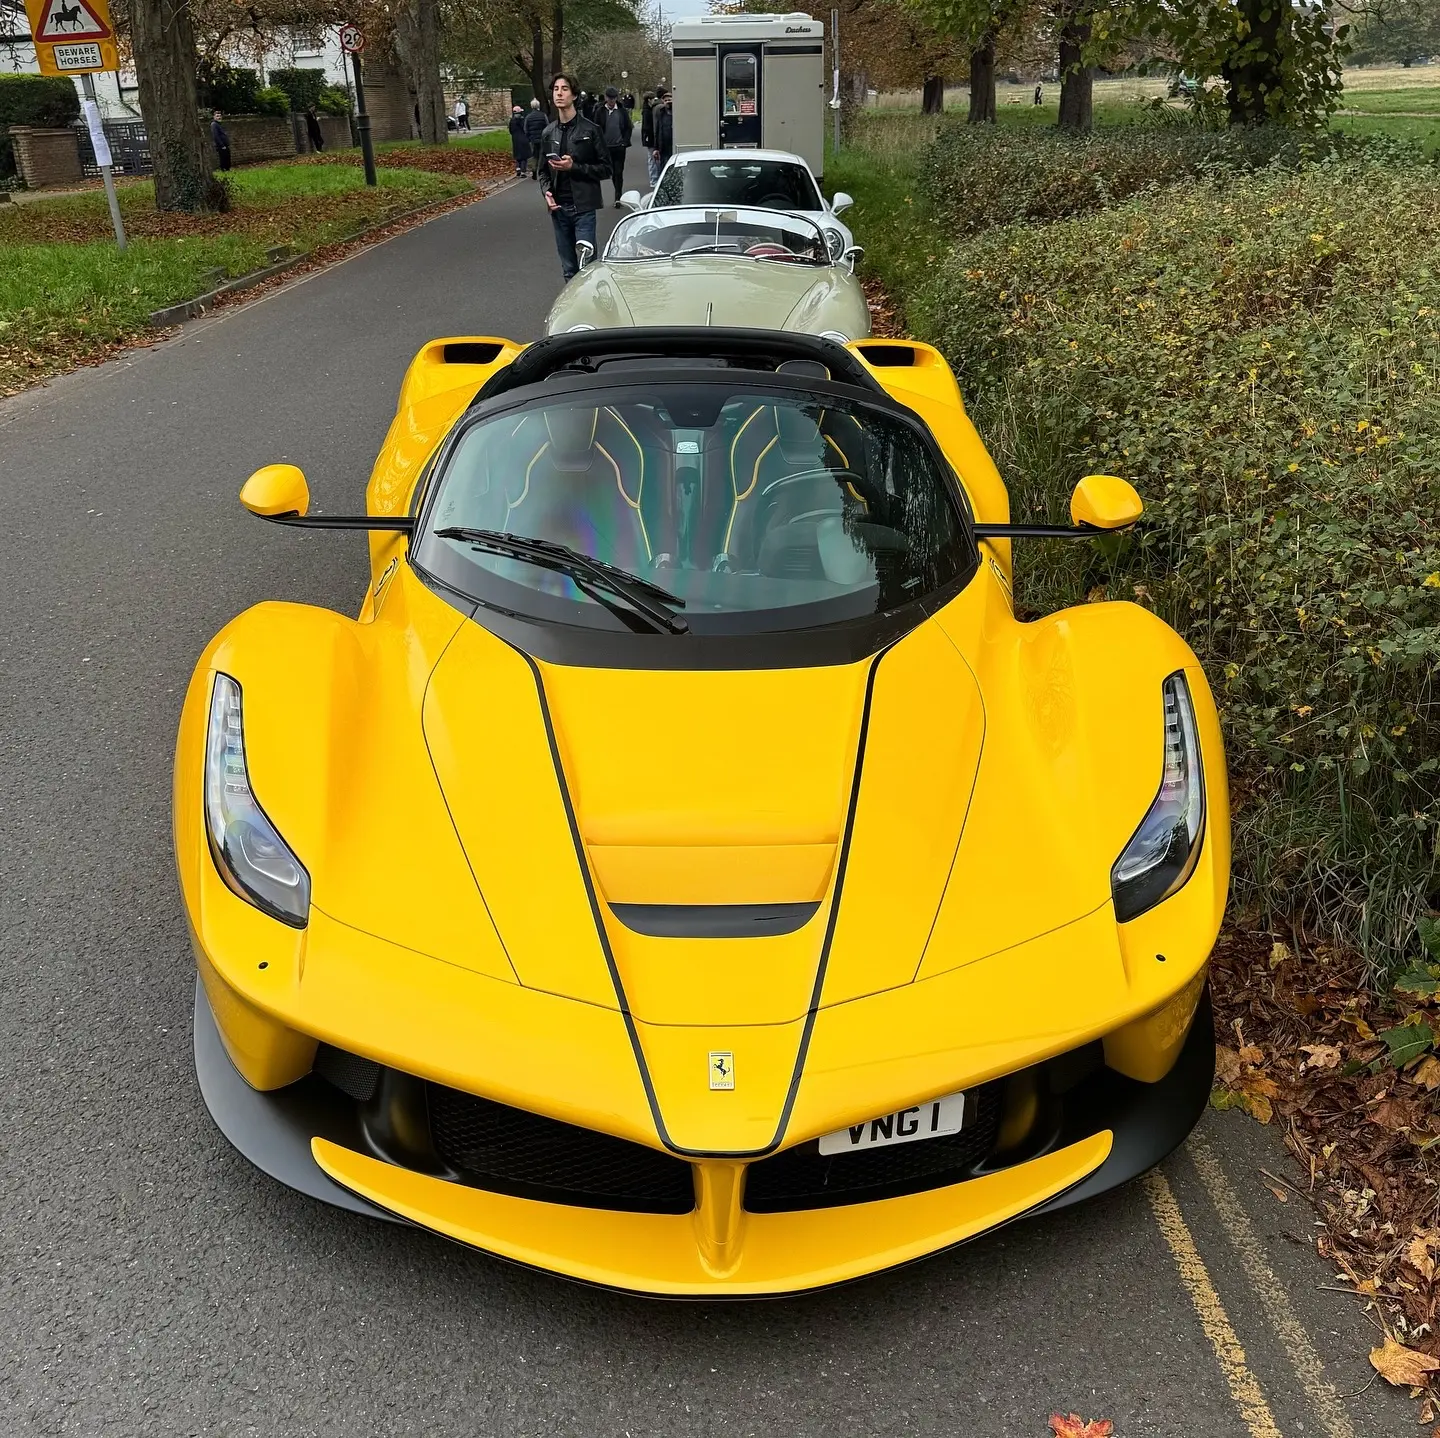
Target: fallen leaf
[
  {"x": 1278, "y": 954},
  {"x": 1251, "y": 1055},
  {"x": 1427, "y": 1072},
  {"x": 1408, "y": 1041},
  {"x": 1322, "y": 1056},
  {"x": 1227, "y": 1065},
  {"x": 1396, "y": 1364},
  {"x": 1417, "y": 1255},
  {"x": 1076, "y": 1427},
  {"x": 1278, "y": 1192}
]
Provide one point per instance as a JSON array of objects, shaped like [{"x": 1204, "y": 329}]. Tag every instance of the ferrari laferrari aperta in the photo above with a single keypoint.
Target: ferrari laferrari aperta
[{"x": 685, "y": 873}]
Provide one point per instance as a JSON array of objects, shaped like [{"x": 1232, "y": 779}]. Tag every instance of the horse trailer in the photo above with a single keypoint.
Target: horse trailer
[{"x": 750, "y": 82}]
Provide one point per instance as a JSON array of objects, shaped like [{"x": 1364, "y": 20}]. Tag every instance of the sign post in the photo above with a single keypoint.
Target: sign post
[
  {"x": 835, "y": 67},
  {"x": 352, "y": 42},
  {"x": 75, "y": 37}
]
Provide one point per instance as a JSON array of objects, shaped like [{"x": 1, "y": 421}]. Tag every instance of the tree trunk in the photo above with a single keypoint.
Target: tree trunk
[
  {"x": 932, "y": 97},
  {"x": 417, "y": 41},
  {"x": 165, "y": 64},
  {"x": 1258, "y": 75},
  {"x": 1077, "y": 80},
  {"x": 982, "y": 83},
  {"x": 557, "y": 43}
]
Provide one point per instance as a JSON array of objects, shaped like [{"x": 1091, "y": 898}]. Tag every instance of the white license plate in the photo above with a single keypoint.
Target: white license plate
[{"x": 935, "y": 1119}]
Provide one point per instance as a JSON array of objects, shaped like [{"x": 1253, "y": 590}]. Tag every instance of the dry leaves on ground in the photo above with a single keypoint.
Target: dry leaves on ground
[
  {"x": 1349, "y": 1077},
  {"x": 1074, "y": 1426},
  {"x": 438, "y": 159}
]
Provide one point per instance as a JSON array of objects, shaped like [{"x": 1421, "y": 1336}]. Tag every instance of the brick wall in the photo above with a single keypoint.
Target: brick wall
[
  {"x": 390, "y": 103},
  {"x": 259, "y": 137},
  {"x": 46, "y": 158},
  {"x": 334, "y": 131}
]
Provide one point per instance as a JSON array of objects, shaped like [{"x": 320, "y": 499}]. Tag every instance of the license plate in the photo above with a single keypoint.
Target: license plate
[{"x": 935, "y": 1119}]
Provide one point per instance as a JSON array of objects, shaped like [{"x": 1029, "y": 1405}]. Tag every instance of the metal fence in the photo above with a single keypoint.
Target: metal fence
[{"x": 129, "y": 148}]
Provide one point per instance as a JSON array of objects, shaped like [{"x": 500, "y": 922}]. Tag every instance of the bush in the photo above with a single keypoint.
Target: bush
[
  {"x": 230, "y": 90},
  {"x": 333, "y": 101},
  {"x": 44, "y": 100},
  {"x": 1263, "y": 361},
  {"x": 272, "y": 100},
  {"x": 304, "y": 87},
  {"x": 975, "y": 176}
]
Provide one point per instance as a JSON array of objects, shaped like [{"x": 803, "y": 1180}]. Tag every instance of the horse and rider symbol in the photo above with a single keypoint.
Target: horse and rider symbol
[{"x": 73, "y": 20}]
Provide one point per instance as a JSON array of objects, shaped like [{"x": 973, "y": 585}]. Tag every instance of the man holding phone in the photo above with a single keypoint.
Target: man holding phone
[{"x": 574, "y": 162}]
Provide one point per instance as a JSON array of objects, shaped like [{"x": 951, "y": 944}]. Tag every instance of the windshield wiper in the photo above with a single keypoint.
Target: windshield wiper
[
  {"x": 588, "y": 573},
  {"x": 717, "y": 249}
]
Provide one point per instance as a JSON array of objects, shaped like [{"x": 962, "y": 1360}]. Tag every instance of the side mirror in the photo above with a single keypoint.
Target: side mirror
[
  {"x": 842, "y": 201},
  {"x": 276, "y": 489},
  {"x": 1104, "y": 501},
  {"x": 584, "y": 252},
  {"x": 852, "y": 257},
  {"x": 630, "y": 200}
]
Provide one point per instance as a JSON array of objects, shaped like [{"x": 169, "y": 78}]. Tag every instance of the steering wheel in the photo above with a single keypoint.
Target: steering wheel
[
  {"x": 770, "y": 247},
  {"x": 777, "y": 200}
]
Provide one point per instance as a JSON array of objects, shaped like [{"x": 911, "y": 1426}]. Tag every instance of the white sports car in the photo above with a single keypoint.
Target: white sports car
[{"x": 759, "y": 179}]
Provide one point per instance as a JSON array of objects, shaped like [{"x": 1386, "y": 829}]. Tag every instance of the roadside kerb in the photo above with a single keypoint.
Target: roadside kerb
[{"x": 203, "y": 304}]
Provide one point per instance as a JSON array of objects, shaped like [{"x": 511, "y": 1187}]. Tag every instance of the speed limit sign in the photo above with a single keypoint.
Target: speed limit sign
[{"x": 352, "y": 40}]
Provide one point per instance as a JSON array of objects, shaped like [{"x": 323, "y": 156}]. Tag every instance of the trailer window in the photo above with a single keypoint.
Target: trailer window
[{"x": 740, "y": 84}]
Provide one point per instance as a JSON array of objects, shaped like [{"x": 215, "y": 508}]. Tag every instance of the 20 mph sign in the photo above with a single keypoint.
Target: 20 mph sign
[
  {"x": 352, "y": 39},
  {"x": 72, "y": 37}
]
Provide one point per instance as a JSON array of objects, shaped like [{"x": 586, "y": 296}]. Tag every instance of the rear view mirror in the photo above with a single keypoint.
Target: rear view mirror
[
  {"x": 276, "y": 489},
  {"x": 842, "y": 201},
  {"x": 1104, "y": 501},
  {"x": 631, "y": 200},
  {"x": 584, "y": 252},
  {"x": 852, "y": 257}
]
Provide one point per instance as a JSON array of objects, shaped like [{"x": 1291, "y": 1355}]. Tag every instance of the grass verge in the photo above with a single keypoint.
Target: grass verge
[{"x": 68, "y": 296}]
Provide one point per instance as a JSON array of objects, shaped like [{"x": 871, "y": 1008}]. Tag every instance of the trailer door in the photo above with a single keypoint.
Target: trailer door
[{"x": 740, "y": 97}]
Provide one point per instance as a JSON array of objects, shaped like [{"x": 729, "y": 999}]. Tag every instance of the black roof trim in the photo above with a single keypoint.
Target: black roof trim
[{"x": 761, "y": 350}]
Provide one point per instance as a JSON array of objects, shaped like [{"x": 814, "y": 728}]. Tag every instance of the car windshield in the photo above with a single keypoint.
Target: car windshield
[
  {"x": 749, "y": 508},
  {"x": 749, "y": 234},
  {"x": 765, "y": 184}
]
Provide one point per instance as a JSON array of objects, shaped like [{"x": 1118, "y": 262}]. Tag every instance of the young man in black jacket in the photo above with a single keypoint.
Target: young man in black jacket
[
  {"x": 574, "y": 163},
  {"x": 616, "y": 125}
]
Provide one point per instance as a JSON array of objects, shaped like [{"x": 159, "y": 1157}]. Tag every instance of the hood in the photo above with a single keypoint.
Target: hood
[{"x": 705, "y": 290}]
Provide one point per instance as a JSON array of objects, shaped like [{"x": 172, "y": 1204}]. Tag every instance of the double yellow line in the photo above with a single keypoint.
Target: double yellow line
[{"x": 1244, "y": 1387}]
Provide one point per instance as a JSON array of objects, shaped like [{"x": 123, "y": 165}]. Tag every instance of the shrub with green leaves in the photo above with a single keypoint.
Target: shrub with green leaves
[
  {"x": 1262, "y": 359},
  {"x": 230, "y": 89},
  {"x": 272, "y": 100},
  {"x": 46, "y": 100}
]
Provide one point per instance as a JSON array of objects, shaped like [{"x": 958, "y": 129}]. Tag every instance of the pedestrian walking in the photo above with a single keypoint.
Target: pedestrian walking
[
  {"x": 662, "y": 131},
  {"x": 519, "y": 141},
  {"x": 576, "y": 164},
  {"x": 312, "y": 130},
  {"x": 647, "y": 134},
  {"x": 220, "y": 140},
  {"x": 535, "y": 122},
  {"x": 617, "y": 127},
  {"x": 1039, "y": 92},
  {"x": 462, "y": 114}
]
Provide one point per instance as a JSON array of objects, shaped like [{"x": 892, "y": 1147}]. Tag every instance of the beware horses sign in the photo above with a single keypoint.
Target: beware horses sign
[{"x": 72, "y": 37}]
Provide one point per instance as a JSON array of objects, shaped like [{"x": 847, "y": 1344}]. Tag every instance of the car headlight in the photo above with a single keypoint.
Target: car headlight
[
  {"x": 251, "y": 856},
  {"x": 1162, "y": 854},
  {"x": 840, "y": 339},
  {"x": 835, "y": 243}
]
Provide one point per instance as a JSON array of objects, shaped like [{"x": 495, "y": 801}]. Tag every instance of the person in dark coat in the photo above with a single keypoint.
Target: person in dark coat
[
  {"x": 220, "y": 140},
  {"x": 535, "y": 122},
  {"x": 662, "y": 130},
  {"x": 576, "y": 165},
  {"x": 312, "y": 130},
  {"x": 519, "y": 141},
  {"x": 647, "y": 135},
  {"x": 615, "y": 124}
]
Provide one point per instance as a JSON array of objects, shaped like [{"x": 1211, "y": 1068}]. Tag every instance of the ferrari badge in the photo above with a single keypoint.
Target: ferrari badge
[{"x": 722, "y": 1070}]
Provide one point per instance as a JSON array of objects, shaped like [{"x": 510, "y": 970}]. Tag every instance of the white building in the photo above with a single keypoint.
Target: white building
[{"x": 118, "y": 94}]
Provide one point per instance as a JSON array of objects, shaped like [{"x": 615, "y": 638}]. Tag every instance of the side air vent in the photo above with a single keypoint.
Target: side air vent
[
  {"x": 714, "y": 921},
  {"x": 888, "y": 356},
  {"x": 348, "y": 1072},
  {"x": 472, "y": 352}
]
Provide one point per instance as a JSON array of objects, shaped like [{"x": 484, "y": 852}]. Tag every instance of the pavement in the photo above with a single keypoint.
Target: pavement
[{"x": 154, "y": 1284}]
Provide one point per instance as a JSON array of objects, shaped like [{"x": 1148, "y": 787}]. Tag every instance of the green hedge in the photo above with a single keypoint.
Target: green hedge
[
  {"x": 1262, "y": 359},
  {"x": 304, "y": 87},
  {"x": 45, "y": 100}
]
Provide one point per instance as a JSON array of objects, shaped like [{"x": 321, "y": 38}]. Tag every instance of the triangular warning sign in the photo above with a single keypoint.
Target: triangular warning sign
[{"x": 69, "y": 20}]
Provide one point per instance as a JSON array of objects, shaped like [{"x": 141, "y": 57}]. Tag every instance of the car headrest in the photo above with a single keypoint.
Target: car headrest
[
  {"x": 798, "y": 433},
  {"x": 572, "y": 436}
]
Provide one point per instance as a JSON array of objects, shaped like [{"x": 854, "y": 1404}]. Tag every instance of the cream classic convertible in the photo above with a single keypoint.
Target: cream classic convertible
[{"x": 704, "y": 265}]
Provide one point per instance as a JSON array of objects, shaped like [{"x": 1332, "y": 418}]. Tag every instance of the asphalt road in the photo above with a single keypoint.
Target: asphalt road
[{"x": 154, "y": 1284}]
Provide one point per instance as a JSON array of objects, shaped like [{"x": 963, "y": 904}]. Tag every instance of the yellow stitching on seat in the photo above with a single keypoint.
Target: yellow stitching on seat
[
  {"x": 633, "y": 503},
  {"x": 511, "y": 508},
  {"x": 754, "y": 480},
  {"x": 838, "y": 451}
]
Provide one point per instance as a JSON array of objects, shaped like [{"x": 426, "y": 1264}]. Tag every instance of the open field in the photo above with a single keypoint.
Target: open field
[{"x": 67, "y": 294}]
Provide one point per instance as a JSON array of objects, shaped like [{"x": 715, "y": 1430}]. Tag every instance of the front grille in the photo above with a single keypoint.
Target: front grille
[
  {"x": 802, "y": 1178},
  {"x": 508, "y": 1150}
]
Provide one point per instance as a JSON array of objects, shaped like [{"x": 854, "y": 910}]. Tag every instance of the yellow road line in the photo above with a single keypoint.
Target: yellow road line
[
  {"x": 1244, "y": 1387},
  {"x": 1323, "y": 1395}
]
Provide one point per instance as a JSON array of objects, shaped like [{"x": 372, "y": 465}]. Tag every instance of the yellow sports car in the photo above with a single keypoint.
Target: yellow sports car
[{"x": 686, "y": 874}]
